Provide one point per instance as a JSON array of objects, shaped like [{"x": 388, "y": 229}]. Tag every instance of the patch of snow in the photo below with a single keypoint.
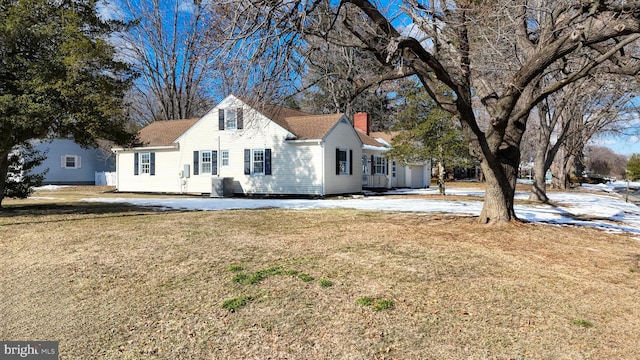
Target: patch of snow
[
  {"x": 50, "y": 187},
  {"x": 576, "y": 208}
]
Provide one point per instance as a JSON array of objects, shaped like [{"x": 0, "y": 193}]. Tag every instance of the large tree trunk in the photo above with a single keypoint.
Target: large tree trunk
[
  {"x": 500, "y": 175},
  {"x": 539, "y": 188}
]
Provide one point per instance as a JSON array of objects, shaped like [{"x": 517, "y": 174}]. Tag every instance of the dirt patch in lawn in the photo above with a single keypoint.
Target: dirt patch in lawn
[{"x": 120, "y": 282}]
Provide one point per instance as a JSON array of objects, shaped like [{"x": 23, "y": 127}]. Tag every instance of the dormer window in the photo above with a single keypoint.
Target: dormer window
[{"x": 230, "y": 119}]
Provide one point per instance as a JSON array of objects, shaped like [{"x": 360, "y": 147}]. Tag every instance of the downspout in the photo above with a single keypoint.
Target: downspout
[{"x": 322, "y": 189}]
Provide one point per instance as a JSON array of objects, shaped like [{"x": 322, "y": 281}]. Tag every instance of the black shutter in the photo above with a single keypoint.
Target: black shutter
[
  {"x": 214, "y": 162},
  {"x": 350, "y": 162},
  {"x": 247, "y": 161},
  {"x": 152, "y": 163},
  {"x": 387, "y": 161},
  {"x": 239, "y": 118},
  {"x": 337, "y": 161},
  {"x": 136, "y": 164},
  {"x": 267, "y": 161},
  {"x": 196, "y": 163},
  {"x": 220, "y": 119},
  {"x": 373, "y": 165}
]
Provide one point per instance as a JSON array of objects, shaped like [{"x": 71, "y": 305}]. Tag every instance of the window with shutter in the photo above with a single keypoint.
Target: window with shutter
[
  {"x": 70, "y": 162},
  {"x": 343, "y": 163},
  {"x": 257, "y": 161}
]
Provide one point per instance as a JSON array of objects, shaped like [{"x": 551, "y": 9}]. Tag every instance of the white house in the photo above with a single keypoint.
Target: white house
[
  {"x": 264, "y": 149},
  {"x": 378, "y": 171},
  {"x": 260, "y": 149}
]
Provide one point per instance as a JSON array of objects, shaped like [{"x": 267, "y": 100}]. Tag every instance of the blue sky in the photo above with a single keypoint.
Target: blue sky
[{"x": 624, "y": 144}]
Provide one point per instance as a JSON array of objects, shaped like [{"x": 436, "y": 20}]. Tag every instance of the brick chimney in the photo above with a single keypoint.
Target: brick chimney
[{"x": 361, "y": 122}]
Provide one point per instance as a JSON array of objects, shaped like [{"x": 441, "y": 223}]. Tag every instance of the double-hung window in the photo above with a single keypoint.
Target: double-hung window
[
  {"x": 205, "y": 162},
  {"x": 224, "y": 156},
  {"x": 145, "y": 163},
  {"x": 230, "y": 119},
  {"x": 380, "y": 165},
  {"x": 257, "y": 161}
]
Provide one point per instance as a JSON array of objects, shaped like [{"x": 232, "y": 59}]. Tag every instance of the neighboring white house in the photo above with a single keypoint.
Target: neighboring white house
[{"x": 258, "y": 149}]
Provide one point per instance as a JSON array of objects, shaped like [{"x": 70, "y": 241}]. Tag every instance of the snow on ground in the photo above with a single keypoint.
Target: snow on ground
[{"x": 596, "y": 206}]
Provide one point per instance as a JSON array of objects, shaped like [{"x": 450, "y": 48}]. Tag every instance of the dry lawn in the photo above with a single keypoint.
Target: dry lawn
[{"x": 117, "y": 282}]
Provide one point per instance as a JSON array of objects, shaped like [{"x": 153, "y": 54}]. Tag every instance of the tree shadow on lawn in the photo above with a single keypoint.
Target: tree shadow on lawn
[{"x": 36, "y": 213}]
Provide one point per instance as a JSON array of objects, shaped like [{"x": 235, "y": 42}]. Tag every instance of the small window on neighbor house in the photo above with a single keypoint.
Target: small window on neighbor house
[
  {"x": 205, "y": 162},
  {"x": 393, "y": 168},
  {"x": 145, "y": 163},
  {"x": 70, "y": 162},
  {"x": 224, "y": 155}
]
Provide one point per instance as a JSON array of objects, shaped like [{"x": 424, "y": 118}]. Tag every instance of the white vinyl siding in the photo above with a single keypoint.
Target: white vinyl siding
[
  {"x": 166, "y": 179},
  {"x": 342, "y": 137}
]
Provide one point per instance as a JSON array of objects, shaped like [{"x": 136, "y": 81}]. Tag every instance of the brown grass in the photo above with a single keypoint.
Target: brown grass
[{"x": 117, "y": 282}]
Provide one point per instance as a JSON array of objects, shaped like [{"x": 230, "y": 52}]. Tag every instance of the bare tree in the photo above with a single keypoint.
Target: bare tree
[
  {"x": 602, "y": 161},
  {"x": 572, "y": 116},
  {"x": 495, "y": 51},
  {"x": 170, "y": 46}
]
